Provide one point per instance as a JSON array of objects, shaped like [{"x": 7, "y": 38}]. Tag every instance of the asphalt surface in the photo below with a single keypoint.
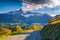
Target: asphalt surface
[{"x": 35, "y": 35}]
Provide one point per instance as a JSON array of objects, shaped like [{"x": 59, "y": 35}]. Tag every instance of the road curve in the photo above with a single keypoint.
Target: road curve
[{"x": 35, "y": 35}]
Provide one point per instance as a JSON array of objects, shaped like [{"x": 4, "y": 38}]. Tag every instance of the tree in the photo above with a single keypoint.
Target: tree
[
  {"x": 17, "y": 29},
  {"x": 36, "y": 27}
]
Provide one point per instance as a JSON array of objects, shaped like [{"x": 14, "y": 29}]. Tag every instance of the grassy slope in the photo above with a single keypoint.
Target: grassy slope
[
  {"x": 51, "y": 31},
  {"x": 3, "y": 36}
]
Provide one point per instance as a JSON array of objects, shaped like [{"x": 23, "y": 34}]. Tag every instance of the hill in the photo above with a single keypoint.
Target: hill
[{"x": 51, "y": 31}]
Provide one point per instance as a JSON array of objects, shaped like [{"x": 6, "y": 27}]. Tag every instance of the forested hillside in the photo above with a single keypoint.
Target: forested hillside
[{"x": 51, "y": 31}]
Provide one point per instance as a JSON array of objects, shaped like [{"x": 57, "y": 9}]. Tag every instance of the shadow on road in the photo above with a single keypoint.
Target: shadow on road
[{"x": 34, "y": 36}]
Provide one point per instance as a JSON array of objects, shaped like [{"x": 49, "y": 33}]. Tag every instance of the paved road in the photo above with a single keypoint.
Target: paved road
[
  {"x": 17, "y": 37},
  {"x": 35, "y": 35}
]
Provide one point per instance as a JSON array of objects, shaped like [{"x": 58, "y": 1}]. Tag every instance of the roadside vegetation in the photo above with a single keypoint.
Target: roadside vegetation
[{"x": 6, "y": 32}]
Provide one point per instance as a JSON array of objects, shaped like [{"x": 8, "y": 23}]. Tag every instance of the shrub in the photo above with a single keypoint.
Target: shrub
[
  {"x": 4, "y": 31},
  {"x": 17, "y": 29}
]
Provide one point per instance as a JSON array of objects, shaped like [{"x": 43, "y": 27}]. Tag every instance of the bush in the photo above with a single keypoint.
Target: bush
[
  {"x": 17, "y": 29},
  {"x": 4, "y": 31}
]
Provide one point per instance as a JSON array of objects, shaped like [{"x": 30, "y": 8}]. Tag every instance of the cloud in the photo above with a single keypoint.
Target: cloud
[
  {"x": 36, "y": 4},
  {"x": 36, "y": 1},
  {"x": 32, "y": 14},
  {"x": 57, "y": 11},
  {"x": 54, "y": 13},
  {"x": 51, "y": 14}
]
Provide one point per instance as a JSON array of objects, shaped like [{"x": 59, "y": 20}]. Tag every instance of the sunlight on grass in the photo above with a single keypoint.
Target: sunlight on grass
[
  {"x": 55, "y": 22},
  {"x": 3, "y": 36}
]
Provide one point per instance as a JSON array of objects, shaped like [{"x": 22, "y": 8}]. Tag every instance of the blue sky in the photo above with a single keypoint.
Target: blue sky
[
  {"x": 9, "y": 5},
  {"x": 52, "y": 7}
]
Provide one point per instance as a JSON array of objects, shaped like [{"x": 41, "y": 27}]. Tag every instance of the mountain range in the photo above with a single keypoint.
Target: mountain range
[{"x": 28, "y": 17}]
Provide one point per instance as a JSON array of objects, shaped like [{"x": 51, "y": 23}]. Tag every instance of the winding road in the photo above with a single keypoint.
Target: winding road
[{"x": 35, "y": 35}]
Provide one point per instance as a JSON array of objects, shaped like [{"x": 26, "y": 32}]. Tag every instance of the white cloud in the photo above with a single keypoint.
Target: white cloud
[
  {"x": 31, "y": 6},
  {"x": 57, "y": 11},
  {"x": 52, "y": 14},
  {"x": 27, "y": 15},
  {"x": 33, "y": 14},
  {"x": 27, "y": 7},
  {"x": 41, "y": 14}
]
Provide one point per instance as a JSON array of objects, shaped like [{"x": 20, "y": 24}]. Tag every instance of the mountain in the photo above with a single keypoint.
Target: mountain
[
  {"x": 9, "y": 17},
  {"x": 51, "y": 31},
  {"x": 37, "y": 18},
  {"x": 54, "y": 20},
  {"x": 18, "y": 16},
  {"x": 12, "y": 18},
  {"x": 57, "y": 16}
]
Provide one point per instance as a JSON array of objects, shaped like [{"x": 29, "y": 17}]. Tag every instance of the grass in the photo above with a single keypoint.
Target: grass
[
  {"x": 15, "y": 33},
  {"x": 3, "y": 36},
  {"x": 6, "y": 35}
]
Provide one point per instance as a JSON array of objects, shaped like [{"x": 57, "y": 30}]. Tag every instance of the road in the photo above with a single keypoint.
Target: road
[
  {"x": 35, "y": 35},
  {"x": 17, "y": 37}
]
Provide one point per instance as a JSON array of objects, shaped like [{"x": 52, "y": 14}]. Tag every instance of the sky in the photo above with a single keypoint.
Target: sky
[
  {"x": 52, "y": 7},
  {"x": 9, "y": 5}
]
